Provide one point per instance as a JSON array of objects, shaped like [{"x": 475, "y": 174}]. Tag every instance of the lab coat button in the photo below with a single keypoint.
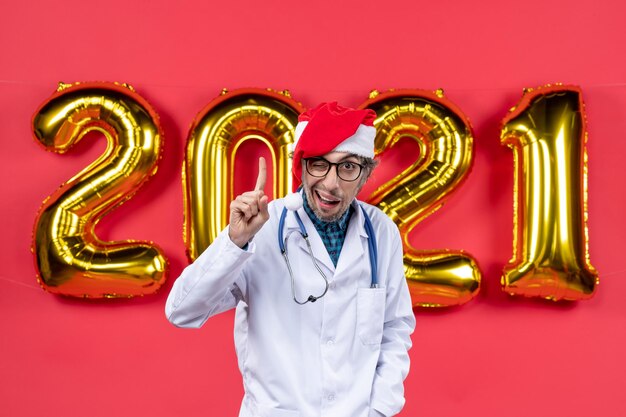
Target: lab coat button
[
  {"x": 331, "y": 397},
  {"x": 330, "y": 342}
]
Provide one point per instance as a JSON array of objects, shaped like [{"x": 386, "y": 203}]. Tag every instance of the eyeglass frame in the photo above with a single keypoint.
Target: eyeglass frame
[{"x": 330, "y": 164}]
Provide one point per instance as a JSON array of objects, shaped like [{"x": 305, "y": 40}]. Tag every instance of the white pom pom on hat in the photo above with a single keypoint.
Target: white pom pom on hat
[{"x": 293, "y": 201}]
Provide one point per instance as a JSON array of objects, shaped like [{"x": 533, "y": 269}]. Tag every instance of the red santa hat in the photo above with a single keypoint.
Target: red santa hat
[{"x": 330, "y": 127}]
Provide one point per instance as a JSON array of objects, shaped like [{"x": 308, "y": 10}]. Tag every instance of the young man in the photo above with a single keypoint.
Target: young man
[{"x": 317, "y": 333}]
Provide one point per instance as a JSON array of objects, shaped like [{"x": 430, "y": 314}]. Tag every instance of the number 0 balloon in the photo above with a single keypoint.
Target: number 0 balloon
[
  {"x": 216, "y": 134},
  {"x": 69, "y": 257}
]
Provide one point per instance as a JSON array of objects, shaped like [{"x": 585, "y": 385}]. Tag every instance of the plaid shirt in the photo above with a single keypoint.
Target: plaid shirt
[{"x": 333, "y": 234}]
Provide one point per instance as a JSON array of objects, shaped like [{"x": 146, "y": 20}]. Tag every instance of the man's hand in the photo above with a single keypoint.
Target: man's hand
[{"x": 248, "y": 212}]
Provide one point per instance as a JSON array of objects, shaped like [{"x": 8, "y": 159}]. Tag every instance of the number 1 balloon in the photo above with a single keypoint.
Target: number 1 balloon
[{"x": 547, "y": 132}]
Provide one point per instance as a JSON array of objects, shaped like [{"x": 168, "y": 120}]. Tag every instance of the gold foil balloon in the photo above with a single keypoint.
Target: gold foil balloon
[
  {"x": 216, "y": 134},
  {"x": 547, "y": 133},
  {"x": 440, "y": 277},
  {"x": 69, "y": 257}
]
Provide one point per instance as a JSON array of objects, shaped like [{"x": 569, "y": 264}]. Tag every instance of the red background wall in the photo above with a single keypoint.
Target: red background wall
[{"x": 492, "y": 357}]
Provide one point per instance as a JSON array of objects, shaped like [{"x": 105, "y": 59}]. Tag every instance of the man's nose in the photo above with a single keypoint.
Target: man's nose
[{"x": 331, "y": 180}]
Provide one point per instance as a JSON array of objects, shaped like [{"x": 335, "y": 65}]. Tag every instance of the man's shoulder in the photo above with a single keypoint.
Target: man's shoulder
[
  {"x": 379, "y": 218},
  {"x": 374, "y": 212},
  {"x": 276, "y": 205}
]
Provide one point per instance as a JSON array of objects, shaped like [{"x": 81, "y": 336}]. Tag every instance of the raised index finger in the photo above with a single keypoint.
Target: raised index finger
[{"x": 260, "y": 180}]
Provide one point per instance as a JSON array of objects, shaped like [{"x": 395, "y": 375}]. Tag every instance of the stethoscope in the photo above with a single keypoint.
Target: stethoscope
[{"x": 371, "y": 243}]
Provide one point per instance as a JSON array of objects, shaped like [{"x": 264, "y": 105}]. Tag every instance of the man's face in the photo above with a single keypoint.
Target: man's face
[{"x": 330, "y": 196}]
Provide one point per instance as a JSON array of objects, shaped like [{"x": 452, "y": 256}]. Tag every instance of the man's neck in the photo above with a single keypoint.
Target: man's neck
[{"x": 333, "y": 234}]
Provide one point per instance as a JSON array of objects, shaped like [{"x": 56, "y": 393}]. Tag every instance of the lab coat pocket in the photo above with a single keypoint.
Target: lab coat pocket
[
  {"x": 370, "y": 315},
  {"x": 278, "y": 412}
]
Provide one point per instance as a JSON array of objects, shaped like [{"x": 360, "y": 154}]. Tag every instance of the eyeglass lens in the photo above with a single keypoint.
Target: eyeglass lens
[{"x": 346, "y": 170}]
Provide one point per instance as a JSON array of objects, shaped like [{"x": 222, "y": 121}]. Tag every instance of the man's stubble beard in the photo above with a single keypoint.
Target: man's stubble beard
[{"x": 325, "y": 218}]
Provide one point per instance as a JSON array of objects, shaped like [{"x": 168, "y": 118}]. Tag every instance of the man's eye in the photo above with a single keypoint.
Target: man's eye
[
  {"x": 348, "y": 166},
  {"x": 321, "y": 165}
]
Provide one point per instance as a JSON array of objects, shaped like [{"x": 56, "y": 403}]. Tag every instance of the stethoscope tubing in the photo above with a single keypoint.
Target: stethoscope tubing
[{"x": 282, "y": 244}]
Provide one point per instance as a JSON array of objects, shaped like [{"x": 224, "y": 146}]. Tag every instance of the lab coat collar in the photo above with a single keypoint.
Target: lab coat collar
[
  {"x": 349, "y": 254},
  {"x": 356, "y": 235},
  {"x": 357, "y": 217}
]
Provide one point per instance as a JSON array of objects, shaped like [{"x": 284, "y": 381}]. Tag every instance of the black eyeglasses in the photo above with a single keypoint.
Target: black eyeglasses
[{"x": 346, "y": 170}]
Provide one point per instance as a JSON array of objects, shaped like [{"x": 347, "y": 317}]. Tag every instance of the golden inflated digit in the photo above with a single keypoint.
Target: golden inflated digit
[
  {"x": 440, "y": 277},
  {"x": 547, "y": 133},
  {"x": 69, "y": 257},
  {"x": 215, "y": 135}
]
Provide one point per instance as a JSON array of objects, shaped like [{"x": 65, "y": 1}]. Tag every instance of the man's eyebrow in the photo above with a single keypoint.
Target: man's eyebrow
[{"x": 348, "y": 157}]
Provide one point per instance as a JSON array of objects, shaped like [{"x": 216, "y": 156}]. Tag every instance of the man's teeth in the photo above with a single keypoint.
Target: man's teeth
[{"x": 325, "y": 200}]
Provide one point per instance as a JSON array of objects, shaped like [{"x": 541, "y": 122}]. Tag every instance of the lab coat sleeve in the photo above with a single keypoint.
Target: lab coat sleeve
[
  {"x": 213, "y": 283},
  {"x": 393, "y": 363}
]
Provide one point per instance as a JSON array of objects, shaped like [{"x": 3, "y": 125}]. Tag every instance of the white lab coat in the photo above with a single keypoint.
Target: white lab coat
[{"x": 344, "y": 355}]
